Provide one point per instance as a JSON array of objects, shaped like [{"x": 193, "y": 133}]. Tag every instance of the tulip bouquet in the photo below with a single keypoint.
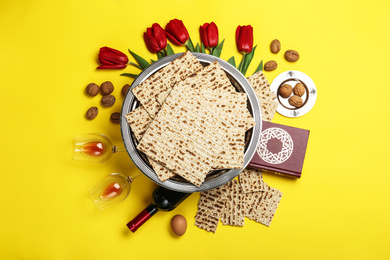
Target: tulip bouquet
[{"x": 156, "y": 42}]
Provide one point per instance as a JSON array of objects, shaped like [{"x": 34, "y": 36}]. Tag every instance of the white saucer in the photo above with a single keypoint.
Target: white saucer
[{"x": 293, "y": 77}]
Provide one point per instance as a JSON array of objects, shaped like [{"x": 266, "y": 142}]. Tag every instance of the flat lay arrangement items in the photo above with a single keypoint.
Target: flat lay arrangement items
[{"x": 192, "y": 122}]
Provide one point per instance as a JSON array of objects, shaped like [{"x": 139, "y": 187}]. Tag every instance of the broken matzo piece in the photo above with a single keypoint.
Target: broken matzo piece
[
  {"x": 268, "y": 207},
  {"x": 164, "y": 80},
  {"x": 261, "y": 206},
  {"x": 209, "y": 78},
  {"x": 212, "y": 77},
  {"x": 176, "y": 152},
  {"x": 162, "y": 172},
  {"x": 233, "y": 104},
  {"x": 261, "y": 85},
  {"x": 264, "y": 95},
  {"x": 268, "y": 109},
  {"x": 139, "y": 121},
  {"x": 210, "y": 206},
  {"x": 251, "y": 201},
  {"x": 251, "y": 180},
  {"x": 232, "y": 141},
  {"x": 234, "y": 211}
]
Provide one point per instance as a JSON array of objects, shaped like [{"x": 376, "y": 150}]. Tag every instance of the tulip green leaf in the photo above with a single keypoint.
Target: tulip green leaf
[
  {"x": 159, "y": 55},
  {"x": 259, "y": 68},
  {"x": 232, "y": 61},
  {"x": 129, "y": 75},
  {"x": 169, "y": 50},
  {"x": 203, "y": 49},
  {"x": 218, "y": 49},
  {"x": 135, "y": 65},
  {"x": 248, "y": 58},
  {"x": 141, "y": 61},
  {"x": 190, "y": 45},
  {"x": 197, "y": 48}
]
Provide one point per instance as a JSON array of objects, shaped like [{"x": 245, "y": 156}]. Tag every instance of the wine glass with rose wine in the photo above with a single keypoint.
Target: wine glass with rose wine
[
  {"x": 113, "y": 188},
  {"x": 94, "y": 147}
]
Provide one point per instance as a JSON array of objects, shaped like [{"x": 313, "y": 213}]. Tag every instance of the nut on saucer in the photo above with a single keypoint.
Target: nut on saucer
[{"x": 285, "y": 90}]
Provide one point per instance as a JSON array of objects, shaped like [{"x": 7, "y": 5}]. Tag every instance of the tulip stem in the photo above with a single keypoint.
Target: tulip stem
[{"x": 241, "y": 66}]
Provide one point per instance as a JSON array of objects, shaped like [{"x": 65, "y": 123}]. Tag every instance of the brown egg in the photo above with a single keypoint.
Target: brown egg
[{"x": 179, "y": 225}]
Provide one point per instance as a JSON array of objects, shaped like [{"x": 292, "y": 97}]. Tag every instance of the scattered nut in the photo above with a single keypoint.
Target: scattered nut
[
  {"x": 92, "y": 113},
  {"x": 275, "y": 46},
  {"x": 106, "y": 88},
  {"x": 92, "y": 89},
  {"x": 108, "y": 100},
  {"x": 270, "y": 65},
  {"x": 299, "y": 89},
  {"x": 285, "y": 91},
  {"x": 295, "y": 101},
  {"x": 115, "y": 118},
  {"x": 291, "y": 55},
  {"x": 125, "y": 89}
]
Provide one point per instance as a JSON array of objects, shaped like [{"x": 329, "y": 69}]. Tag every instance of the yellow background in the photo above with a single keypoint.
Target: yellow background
[{"x": 339, "y": 209}]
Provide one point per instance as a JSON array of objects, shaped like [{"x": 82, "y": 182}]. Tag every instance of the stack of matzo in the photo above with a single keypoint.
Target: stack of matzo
[
  {"x": 230, "y": 203},
  {"x": 192, "y": 123}
]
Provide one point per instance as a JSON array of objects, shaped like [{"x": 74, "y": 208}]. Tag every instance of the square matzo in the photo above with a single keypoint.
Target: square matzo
[{"x": 164, "y": 80}]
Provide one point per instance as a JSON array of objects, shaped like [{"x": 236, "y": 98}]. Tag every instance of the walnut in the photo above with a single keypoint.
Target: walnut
[
  {"x": 108, "y": 100},
  {"x": 270, "y": 65},
  {"x": 299, "y": 89},
  {"x": 295, "y": 101},
  {"x": 92, "y": 113},
  {"x": 285, "y": 91},
  {"x": 106, "y": 88},
  {"x": 125, "y": 89},
  {"x": 92, "y": 89},
  {"x": 115, "y": 118},
  {"x": 291, "y": 55},
  {"x": 275, "y": 46}
]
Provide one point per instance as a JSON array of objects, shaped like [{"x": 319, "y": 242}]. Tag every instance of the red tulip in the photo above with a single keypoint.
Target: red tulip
[
  {"x": 209, "y": 35},
  {"x": 176, "y": 32},
  {"x": 155, "y": 38},
  {"x": 112, "y": 59},
  {"x": 244, "y": 39}
]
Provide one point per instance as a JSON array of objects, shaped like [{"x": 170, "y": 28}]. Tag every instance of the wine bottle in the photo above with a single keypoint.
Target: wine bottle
[{"x": 163, "y": 199}]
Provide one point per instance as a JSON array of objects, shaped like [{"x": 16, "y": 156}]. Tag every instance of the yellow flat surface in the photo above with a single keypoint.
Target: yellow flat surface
[{"x": 339, "y": 209}]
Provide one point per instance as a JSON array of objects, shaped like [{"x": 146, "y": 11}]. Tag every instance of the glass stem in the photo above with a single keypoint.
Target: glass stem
[
  {"x": 131, "y": 178},
  {"x": 116, "y": 149}
]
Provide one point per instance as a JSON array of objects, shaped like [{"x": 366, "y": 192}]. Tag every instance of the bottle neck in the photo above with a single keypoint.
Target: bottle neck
[{"x": 142, "y": 217}]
